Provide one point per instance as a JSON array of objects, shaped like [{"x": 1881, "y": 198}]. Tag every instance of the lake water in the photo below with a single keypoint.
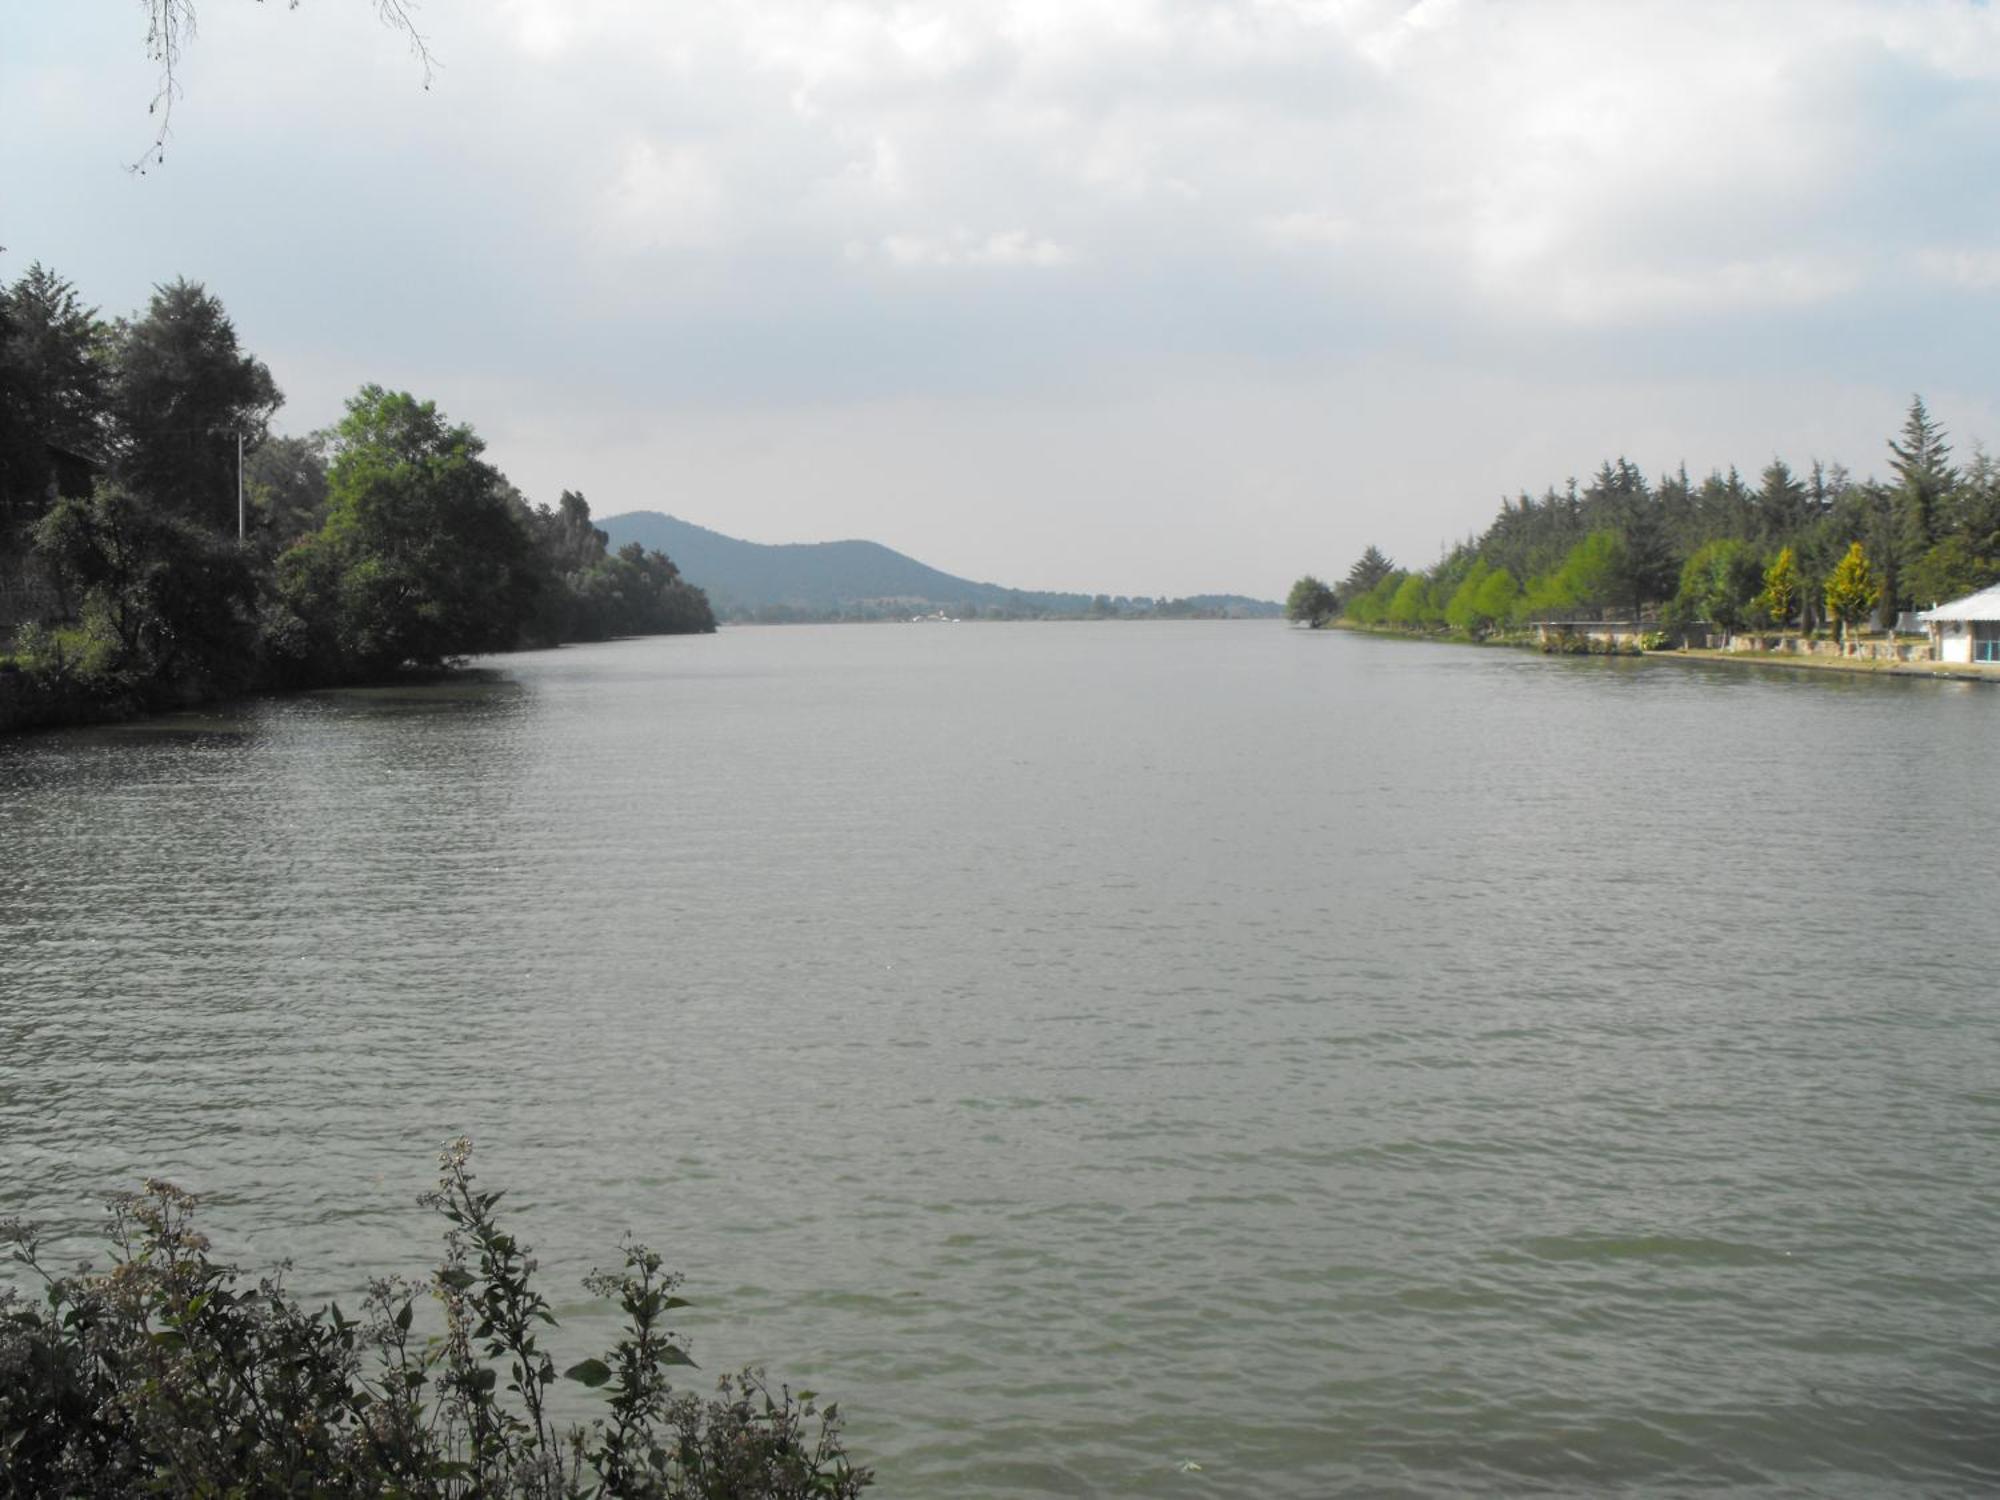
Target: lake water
[{"x": 1091, "y": 1050}]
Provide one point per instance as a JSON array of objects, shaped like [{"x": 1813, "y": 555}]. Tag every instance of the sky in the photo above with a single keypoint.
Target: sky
[{"x": 1124, "y": 296}]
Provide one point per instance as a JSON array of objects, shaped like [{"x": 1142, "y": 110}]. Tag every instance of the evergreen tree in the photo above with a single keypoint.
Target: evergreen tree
[
  {"x": 1783, "y": 506},
  {"x": 1921, "y": 463},
  {"x": 1368, "y": 571}
]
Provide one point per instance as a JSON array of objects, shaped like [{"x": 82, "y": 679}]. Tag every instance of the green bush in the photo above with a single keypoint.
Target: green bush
[{"x": 167, "y": 1374}]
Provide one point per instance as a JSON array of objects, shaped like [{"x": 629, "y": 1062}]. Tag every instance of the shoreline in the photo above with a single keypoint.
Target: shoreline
[{"x": 1948, "y": 671}]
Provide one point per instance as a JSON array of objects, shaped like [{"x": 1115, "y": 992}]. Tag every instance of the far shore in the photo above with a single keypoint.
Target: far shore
[{"x": 1951, "y": 671}]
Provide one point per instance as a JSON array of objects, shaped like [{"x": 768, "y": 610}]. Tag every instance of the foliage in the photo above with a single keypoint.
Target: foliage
[
  {"x": 1412, "y": 605},
  {"x": 285, "y": 481},
  {"x": 161, "y": 600},
  {"x": 424, "y": 556},
  {"x": 1598, "y": 571},
  {"x": 1367, "y": 573},
  {"x": 1310, "y": 603},
  {"x": 168, "y": 1374},
  {"x": 1719, "y": 584},
  {"x": 407, "y": 551},
  {"x": 53, "y": 380},
  {"x": 595, "y": 595},
  {"x": 1921, "y": 463},
  {"x": 183, "y": 392},
  {"x": 1372, "y": 606},
  {"x": 1780, "y": 596},
  {"x": 1852, "y": 589},
  {"x": 1621, "y": 542},
  {"x": 1950, "y": 569},
  {"x": 1497, "y": 598},
  {"x": 1460, "y": 611}
]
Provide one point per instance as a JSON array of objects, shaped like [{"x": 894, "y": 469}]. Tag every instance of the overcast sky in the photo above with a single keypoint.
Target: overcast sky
[{"x": 1141, "y": 296}]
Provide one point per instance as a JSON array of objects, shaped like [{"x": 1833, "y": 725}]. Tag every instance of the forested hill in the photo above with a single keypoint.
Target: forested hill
[{"x": 862, "y": 580}]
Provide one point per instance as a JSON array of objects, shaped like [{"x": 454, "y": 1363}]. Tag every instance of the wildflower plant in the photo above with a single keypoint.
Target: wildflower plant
[{"x": 166, "y": 1374}]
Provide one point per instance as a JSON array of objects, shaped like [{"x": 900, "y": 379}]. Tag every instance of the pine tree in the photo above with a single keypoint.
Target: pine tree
[
  {"x": 1925, "y": 479},
  {"x": 1368, "y": 570}
]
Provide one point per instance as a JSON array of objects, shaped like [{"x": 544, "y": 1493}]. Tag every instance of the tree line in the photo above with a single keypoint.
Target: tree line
[
  {"x": 1798, "y": 550},
  {"x": 160, "y": 545}
]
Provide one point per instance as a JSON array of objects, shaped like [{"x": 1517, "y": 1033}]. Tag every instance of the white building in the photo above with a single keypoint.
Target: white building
[{"x": 1967, "y": 629}]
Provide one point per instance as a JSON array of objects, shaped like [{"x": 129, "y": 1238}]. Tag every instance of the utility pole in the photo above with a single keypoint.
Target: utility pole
[{"x": 239, "y": 486}]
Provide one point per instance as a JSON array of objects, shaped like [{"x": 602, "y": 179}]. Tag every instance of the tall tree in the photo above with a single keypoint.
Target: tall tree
[
  {"x": 1852, "y": 590},
  {"x": 53, "y": 386},
  {"x": 1921, "y": 462},
  {"x": 1719, "y": 582},
  {"x": 286, "y": 480},
  {"x": 1783, "y": 505},
  {"x": 184, "y": 392},
  {"x": 1782, "y": 589},
  {"x": 1369, "y": 570},
  {"x": 425, "y": 554}
]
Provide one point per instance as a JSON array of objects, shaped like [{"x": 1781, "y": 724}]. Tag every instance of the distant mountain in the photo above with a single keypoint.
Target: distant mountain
[{"x": 860, "y": 580}]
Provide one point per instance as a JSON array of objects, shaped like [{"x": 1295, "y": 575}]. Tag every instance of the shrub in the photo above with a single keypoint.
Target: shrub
[{"x": 167, "y": 1374}]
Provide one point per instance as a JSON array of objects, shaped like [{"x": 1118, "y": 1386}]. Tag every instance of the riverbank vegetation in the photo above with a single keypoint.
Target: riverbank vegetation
[
  {"x": 166, "y": 1373},
  {"x": 159, "y": 546},
  {"x": 1811, "y": 551}
]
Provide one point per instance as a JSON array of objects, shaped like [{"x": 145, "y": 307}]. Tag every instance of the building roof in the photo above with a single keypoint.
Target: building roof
[{"x": 1984, "y": 605}]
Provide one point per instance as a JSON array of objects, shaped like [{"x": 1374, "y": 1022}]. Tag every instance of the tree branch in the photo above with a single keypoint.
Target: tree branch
[{"x": 170, "y": 26}]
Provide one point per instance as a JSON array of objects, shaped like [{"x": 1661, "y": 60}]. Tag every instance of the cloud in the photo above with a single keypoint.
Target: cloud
[
  {"x": 785, "y": 211},
  {"x": 1014, "y": 248},
  {"x": 1975, "y": 270}
]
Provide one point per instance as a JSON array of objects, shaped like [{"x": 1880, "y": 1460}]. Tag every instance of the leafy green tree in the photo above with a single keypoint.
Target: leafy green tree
[
  {"x": 1719, "y": 582},
  {"x": 1461, "y": 611},
  {"x": 1547, "y": 596},
  {"x": 1412, "y": 607},
  {"x": 1497, "y": 597},
  {"x": 166, "y": 606},
  {"x": 572, "y": 543},
  {"x": 1310, "y": 603},
  {"x": 285, "y": 480},
  {"x": 425, "y": 555},
  {"x": 1598, "y": 571},
  {"x": 1951, "y": 569},
  {"x": 1371, "y": 606},
  {"x": 184, "y": 390},
  {"x": 1852, "y": 590},
  {"x": 1783, "y": 589}
]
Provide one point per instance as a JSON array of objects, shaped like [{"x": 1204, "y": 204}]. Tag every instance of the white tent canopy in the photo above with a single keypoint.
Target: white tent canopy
[{"x": 1984, "y": 605}]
